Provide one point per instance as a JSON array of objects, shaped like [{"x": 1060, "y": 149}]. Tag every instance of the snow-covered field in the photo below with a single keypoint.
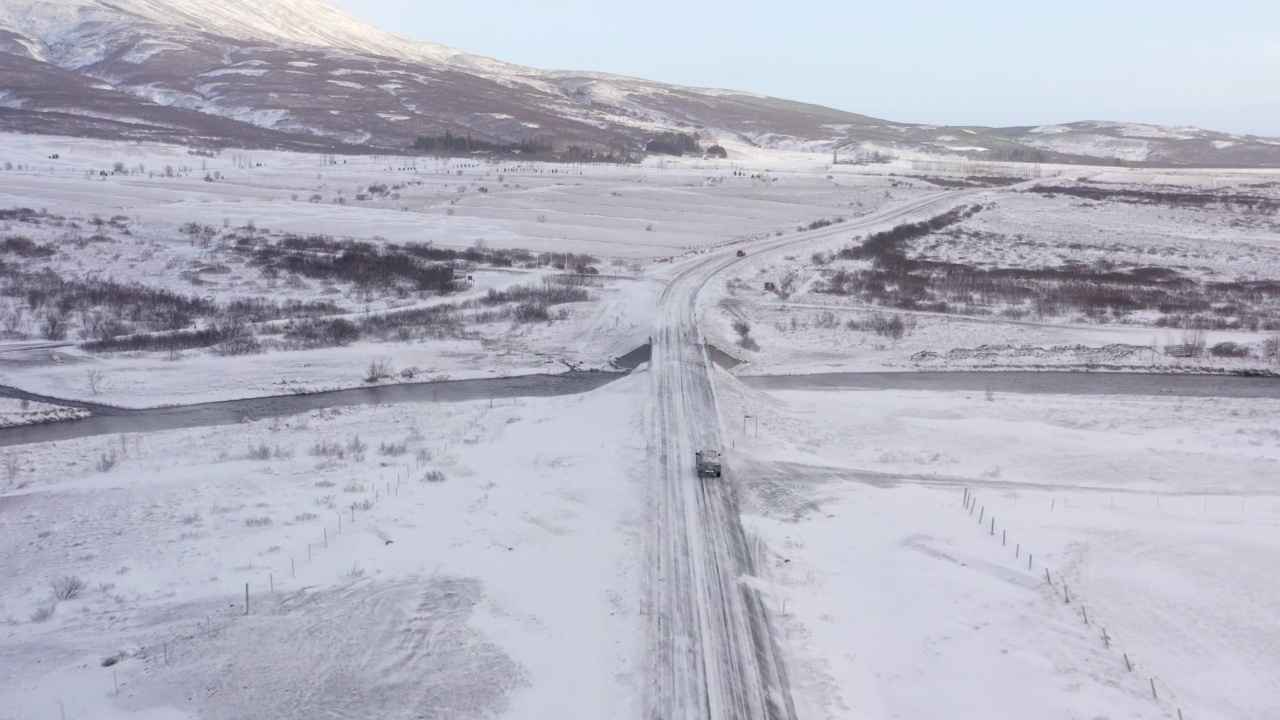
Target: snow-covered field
[
  {"x": 512, "y": 584},
  {"x": 504, "y": 586},
  {"x": 1156, "y": 516},
  {"x": 806, "y": 327}
]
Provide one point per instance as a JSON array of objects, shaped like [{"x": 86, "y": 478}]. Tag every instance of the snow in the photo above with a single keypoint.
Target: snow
[
  {"x": 17, "y": 412},
  {"x": 505, "y": 589},
  {"x": 517, "y": 587},
  {"x": 858, "y": 495}
]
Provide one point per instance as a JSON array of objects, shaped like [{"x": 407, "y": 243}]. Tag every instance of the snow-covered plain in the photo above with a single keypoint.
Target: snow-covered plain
[
  {"x": 511, "y": 585},
  {"x": 811, "y": 330},
  {"x": 506, "y": 586},
  {"x": 1156, "y": 516}
]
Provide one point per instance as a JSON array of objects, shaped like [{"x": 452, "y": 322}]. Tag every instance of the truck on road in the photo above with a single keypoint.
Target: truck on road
[{"x": 708, "y": 463}]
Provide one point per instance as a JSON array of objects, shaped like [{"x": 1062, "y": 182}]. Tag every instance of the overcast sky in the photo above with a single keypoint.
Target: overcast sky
[{"x": 982, "y": 62}]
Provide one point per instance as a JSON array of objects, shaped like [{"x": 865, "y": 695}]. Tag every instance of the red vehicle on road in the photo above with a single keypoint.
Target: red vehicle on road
[{"x": 742, "y": 253}]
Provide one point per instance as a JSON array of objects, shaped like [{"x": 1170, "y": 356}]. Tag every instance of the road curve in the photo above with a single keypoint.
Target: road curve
[{"x": 713, "y": 653}]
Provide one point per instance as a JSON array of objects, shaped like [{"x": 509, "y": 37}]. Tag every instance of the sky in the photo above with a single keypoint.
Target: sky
[{"x": 983, "y": 62}]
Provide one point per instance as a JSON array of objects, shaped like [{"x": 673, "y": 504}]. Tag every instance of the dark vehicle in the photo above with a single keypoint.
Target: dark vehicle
[{"x": 708, "y": 463}]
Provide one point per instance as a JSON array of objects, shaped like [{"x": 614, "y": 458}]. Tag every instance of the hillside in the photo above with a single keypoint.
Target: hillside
[{"x": 302, "y": 74}]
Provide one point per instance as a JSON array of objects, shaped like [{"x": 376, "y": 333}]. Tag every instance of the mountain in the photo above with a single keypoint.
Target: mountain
[{"x": 302, "y": 74}]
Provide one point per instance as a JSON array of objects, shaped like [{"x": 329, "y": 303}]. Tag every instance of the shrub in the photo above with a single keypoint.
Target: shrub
[
  {"x": 433, "y": 476},
  {"x": 262, "y": 521},
  {"x": 68, "y": 587},
  {"x": 42, "y": 613},
  {"x": 379, "y": 368},
  {"x": 327, "y": 448},
  {"x": 306, "y": 517},
  {"x": 357, "y": 448},
  {"x": 1229, "y": 349},
  {"x": 192, "y": 518},
  {"x": 107, "y": 461},
  {"x": 393, "y": 449}
]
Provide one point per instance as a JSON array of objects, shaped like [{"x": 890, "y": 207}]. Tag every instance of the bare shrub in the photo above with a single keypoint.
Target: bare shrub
[
  {"x": 42, "y": 613},
  {"x": 97, "y": 381},
  {"x": 353, "y": 487},
  {"x": 363, "y": 505},
  {"x": 107, "y": 461},
  {"x": 328, "y": 449},
  {"x": 306, "y": 517},
  {"x": 262, "y": 521},
  {"x": 68, "y": 587},
  {"x": 742, "y": 327},
  {"x": 433, "y": 476},
  {"x": 380, "y": 368},
  {"x": 1271, "y": 346},
  {"x": 890, "y": 326},
  {"x": 423, "y": 456},
  {"x": 357, "y": 448},
  {"x": 1229, "y": 349},
  {"x": 192, "y": 518},
  {"x": 261, "y": 451},
  {"x": 355, "y": 573},
  {"x": 12, "y": 466},
  {"x": 748, "y": 343},
  {"x": 324, "y": 483},
  {"x": 393, "y": 449}
]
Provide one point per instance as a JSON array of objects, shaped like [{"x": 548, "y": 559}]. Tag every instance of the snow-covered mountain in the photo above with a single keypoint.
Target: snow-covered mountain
[{"x": 304, "y": 74}]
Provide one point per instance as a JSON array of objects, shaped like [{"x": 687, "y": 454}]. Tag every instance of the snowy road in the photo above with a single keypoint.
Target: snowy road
[{"x": 713, "y": 651}]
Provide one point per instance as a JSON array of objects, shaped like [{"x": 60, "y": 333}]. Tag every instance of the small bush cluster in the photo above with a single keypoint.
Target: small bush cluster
[
  {"x": 68, "y": 587},
  {"x": 393, "y": 449}
]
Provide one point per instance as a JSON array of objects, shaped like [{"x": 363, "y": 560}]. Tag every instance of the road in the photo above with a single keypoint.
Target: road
[{"x": 713, "y": 650}]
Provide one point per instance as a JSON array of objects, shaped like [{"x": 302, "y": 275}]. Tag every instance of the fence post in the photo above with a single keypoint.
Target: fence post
[
  {"x": 993, "y": 526},
  {"x": 246, "y": 598},
  {"x": 981, "y": 513},
  {"x": 1128, "y": 665},
  {"x": 1153, "y": 690}
]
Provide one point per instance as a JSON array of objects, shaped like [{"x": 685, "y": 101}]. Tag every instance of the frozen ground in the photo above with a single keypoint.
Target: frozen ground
[
  {"x": 1156, "y": 514},
  {"x": 505, "y": 586}
]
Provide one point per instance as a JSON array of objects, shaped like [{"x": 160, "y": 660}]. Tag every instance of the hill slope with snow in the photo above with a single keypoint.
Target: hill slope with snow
[{"x": 305, "y": 74}]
